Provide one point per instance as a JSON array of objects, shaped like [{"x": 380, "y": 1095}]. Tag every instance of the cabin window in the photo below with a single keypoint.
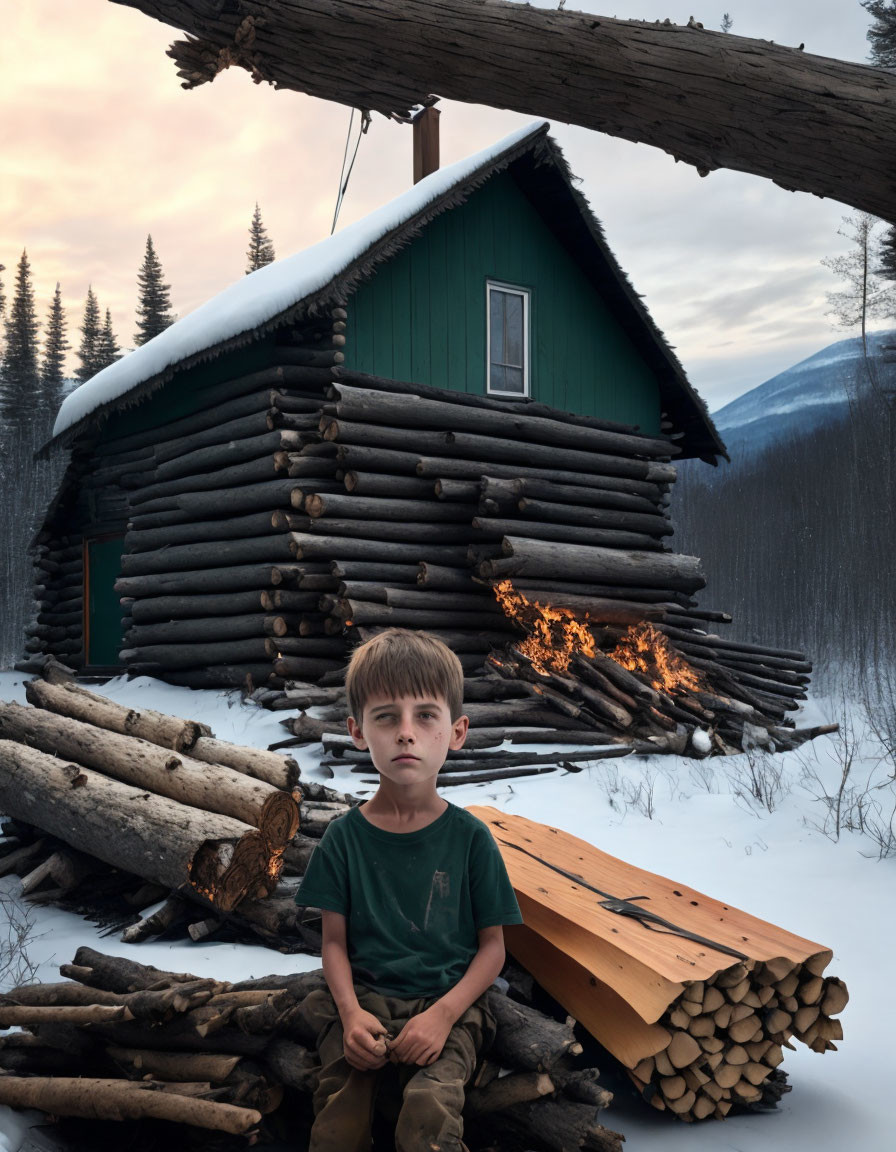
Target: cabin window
[{"x": 508, "y": 339}]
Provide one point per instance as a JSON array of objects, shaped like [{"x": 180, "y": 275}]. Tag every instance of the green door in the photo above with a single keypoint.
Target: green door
[{"x": 103, "y": 610}]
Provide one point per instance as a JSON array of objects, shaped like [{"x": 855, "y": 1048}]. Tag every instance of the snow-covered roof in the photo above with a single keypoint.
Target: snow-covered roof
[
  {"x": 327, "y": 274},
  {"x": 255, "y": 300}
]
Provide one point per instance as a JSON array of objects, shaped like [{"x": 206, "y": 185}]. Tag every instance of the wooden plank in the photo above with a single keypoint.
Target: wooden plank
[
  {"x": 440, "y": 329},
  {"x": 670, "y": 956},
  {"x": 456, "y": 287},
  {"x": 382, "y": 321},
  {"x": 650, "y": 993},
  {"x": 608, "y": 1017}
]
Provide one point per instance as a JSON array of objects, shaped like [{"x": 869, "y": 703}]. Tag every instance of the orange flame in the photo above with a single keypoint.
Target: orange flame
[
  {"x": 647, "y": 652},
  {"x": 555, "y": 635}
]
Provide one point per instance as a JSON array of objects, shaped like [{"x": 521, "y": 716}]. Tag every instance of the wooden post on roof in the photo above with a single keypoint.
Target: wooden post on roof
[{"x": 426, "y": 143}]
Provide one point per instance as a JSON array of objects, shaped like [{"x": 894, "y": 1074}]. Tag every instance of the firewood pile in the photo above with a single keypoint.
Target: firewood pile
[
  {"x": 153, "y": 808},
  {"x": 208, "y": 576},
  {"x": 639, "y": 694},
  {"x": 440, "y": 483},
  {"x": 696, "y": 999},
  {"x": 119, "y": 1040},
  {"x": 210, "y": 837},
  {"x": 513, "y": 529},
  {"x": 481, "y": 759}
]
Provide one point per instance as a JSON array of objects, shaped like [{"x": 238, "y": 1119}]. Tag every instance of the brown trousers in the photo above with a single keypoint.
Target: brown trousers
[{"x": 429, "y": 1119}]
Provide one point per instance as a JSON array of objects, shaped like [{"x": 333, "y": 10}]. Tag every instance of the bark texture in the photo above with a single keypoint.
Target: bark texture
[
  {"x": 709, "y": 99},
  {"x": 222, "y": 858}
]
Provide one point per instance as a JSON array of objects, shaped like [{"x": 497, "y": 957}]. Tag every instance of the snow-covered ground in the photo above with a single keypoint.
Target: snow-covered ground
[{"x": 696, "y": 821}]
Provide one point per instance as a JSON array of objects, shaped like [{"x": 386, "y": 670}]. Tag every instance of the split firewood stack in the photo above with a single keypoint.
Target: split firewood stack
[
  {"x": 696, "y": 999},
  {"x": 216, "y": 831},
  {"x": 121, "y": 1040}
]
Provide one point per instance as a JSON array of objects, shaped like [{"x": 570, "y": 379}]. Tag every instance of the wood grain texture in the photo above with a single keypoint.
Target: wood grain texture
[
  {"x": 709, "y": 99},
  {"x": 670, "y": 957}
]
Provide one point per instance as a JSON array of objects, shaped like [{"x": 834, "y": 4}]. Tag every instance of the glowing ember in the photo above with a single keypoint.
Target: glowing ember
[
  {"x": 646, "y": 652},
  {"x": 555, "y": 635}
]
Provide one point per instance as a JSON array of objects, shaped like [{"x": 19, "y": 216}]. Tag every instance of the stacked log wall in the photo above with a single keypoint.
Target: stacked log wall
[
  {"x": 194, "y": 499},
  {"x": 304, "y": 506},
  {"x": 58, "y": 624},
  {"x": 446, "y": 473}
]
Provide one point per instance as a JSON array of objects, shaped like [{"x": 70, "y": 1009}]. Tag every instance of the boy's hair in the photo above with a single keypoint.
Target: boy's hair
[{"x": 399, "y": 662}]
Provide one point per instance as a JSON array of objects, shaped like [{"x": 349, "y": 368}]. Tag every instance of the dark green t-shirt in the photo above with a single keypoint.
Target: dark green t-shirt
[{"x": 413, "y": 901}]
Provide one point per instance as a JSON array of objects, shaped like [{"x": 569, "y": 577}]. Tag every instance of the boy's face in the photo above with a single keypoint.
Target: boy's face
[{"x": 408, "y": 736}]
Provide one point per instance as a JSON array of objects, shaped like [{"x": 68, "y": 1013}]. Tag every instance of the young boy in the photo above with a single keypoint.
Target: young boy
[{"x": 414, "y": 893}]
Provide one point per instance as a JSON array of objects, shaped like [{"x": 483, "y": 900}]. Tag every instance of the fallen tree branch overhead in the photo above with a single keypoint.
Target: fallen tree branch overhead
[{"x": 710, "y": 99}]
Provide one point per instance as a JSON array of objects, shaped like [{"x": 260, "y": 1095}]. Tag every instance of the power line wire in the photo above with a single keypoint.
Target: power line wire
[{"x": 344, "y": 176}]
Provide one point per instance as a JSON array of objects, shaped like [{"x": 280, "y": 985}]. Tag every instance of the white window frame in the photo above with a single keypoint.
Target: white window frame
[{"x": 526, "y": 294}]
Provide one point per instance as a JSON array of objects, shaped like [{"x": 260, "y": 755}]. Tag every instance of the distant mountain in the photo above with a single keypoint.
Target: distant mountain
[{"x": 811, "y": 393}]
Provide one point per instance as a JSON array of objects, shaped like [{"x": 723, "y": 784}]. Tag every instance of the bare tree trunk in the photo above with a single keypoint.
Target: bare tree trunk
[{"x": 710, "y": 99}]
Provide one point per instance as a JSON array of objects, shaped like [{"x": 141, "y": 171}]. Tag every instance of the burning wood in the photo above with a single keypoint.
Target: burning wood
[
  {"x": 648, "y": 653},
  {"x": 554, "y": 634},
  {"x": 639, "y": 684}
]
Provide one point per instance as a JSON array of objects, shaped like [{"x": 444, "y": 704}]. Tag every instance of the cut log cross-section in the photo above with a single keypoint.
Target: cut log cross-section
[{"x": 222, "y": 858}]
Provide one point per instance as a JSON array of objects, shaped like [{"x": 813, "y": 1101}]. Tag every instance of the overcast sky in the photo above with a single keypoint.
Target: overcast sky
[{"x": 99, "y": 145}]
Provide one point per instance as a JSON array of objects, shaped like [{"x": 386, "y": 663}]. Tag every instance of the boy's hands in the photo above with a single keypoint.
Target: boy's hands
[
  {"x": 364, "y": 1041},
  {"x": 423, "y": 1037},
  {"x": 367, "y": 1045}
]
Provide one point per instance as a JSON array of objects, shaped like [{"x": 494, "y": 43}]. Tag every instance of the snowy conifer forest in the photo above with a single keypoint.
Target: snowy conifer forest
[{"x": 796, "y": 533}]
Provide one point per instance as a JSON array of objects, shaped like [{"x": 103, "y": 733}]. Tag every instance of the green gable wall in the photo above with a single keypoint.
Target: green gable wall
[{"x": 422, "y": 317}]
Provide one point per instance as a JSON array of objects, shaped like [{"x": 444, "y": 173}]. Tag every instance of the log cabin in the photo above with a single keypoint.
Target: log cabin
[{"x": 342, "y": 439}]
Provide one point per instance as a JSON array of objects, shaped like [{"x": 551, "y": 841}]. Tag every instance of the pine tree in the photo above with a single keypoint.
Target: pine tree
[
  {"x": 88, "y": 352},
  {"x": 2, "y": 311},
  {"x": 882, "y": 33},
  {"x": 52, "y": 372},
  {"x": 107, "y": 348},
  {"x": 727, "y": 22},
  {"x": 20, "y": 374},
  {"x": 153, "y": 298},
  {"x": 261, "y": 250},
  {"x": 887, "y": 265}
]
